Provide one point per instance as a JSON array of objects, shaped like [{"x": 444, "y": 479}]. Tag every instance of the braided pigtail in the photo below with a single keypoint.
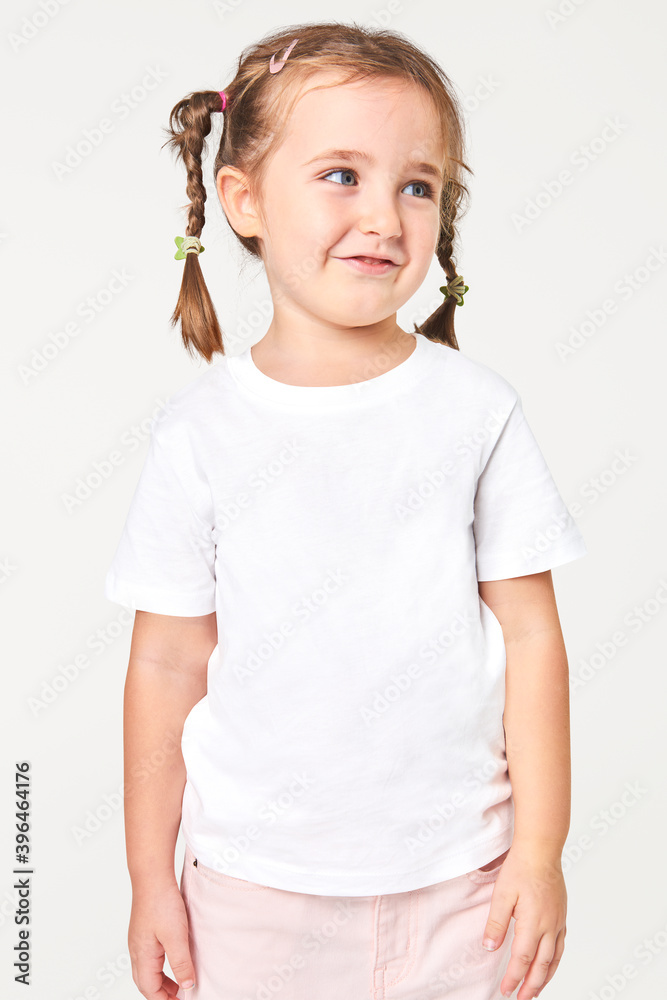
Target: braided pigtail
[
  {"x": 189, "y": 124},
  {"x": 440, "y": 324}
]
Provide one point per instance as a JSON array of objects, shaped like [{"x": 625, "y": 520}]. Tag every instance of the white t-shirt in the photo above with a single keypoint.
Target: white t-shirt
[{"x": 351, "y": 739}]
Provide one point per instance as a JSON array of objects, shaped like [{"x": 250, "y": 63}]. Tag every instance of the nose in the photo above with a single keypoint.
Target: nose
[{"x": 378, "y": 214}]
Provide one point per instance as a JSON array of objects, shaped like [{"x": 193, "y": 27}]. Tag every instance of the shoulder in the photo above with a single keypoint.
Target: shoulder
[
  {"x": 184, "y": 429},
  {"x": 192, "y": 407},
  {"x": 472, "y": 379}
]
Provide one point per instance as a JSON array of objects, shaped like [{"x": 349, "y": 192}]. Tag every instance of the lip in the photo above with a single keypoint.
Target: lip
[{"x": 382, "y": 265}]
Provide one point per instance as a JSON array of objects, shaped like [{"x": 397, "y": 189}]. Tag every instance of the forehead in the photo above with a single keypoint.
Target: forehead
[{"x": 387, "y": 112}]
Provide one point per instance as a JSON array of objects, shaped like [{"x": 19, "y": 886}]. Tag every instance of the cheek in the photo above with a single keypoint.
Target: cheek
[
  {"x": 316, "y": 233},
  {"x": 426, "y": 228}
]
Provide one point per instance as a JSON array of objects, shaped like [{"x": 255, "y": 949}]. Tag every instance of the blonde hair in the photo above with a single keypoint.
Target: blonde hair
[{"x": 255, "y": 120}]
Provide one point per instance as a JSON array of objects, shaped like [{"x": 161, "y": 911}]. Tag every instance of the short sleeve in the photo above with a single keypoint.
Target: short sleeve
[
  {"x": 521, "y": 523},
  {"x": 165, "y": 560}
]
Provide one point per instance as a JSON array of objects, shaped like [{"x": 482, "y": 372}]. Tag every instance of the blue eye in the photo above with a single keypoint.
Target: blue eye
[
  {"x": 342, "y": 170},
  {"x": 427, "y": 189}
]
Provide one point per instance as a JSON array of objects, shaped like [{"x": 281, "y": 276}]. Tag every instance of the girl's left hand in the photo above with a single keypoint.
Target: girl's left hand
[{"x": 531, "y": 888}]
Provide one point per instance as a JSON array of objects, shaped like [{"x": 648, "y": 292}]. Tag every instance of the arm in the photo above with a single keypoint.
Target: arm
[
  {"x": 537, "y": 709},
  {"x": 537, "y": 734},
  {"x": 166, "y": 677}
]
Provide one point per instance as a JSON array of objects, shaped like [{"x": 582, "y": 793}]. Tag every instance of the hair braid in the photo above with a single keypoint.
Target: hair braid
[
  {"x": 189, "y": 125},
  {"x": 440, "y": 324}
]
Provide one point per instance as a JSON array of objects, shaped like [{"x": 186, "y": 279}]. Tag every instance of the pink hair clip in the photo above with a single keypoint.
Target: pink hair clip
[
  {"x": 275, "y": 67},
  {"x": 223, "y": 98}
]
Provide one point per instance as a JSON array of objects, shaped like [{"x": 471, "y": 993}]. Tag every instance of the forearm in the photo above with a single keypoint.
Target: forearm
[
  {"x": 156, "y": 703},
  {"x": 537, "y": 731}
]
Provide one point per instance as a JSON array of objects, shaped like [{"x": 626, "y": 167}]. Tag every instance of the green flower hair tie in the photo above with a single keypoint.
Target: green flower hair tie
[
  {"x": 187, "y": 244},
  {"x": 455, "y": 289}
]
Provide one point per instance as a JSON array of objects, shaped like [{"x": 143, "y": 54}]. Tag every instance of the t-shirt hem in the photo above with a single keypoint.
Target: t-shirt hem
[
  {"x": 505, "y": 567},
  {"x": 160, "y": 602},
  {"x": 328, "y": 884}
]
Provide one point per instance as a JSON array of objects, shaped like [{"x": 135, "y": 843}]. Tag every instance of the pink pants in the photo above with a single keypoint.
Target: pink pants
[{"x": 254, "y": 942}]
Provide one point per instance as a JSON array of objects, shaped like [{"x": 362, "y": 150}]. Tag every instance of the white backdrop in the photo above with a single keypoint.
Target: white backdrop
[{"x": 564, "y": 249}]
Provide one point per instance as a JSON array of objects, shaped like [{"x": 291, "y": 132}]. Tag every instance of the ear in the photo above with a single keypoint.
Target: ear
[{"x": 233, "y": 190}]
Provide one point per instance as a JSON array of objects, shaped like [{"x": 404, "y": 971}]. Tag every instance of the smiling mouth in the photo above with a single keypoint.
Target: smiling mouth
[{"x": 370, "y": 260}]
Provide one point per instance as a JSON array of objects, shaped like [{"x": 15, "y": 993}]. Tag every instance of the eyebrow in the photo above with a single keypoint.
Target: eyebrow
[{"x": 356, "y": 154}]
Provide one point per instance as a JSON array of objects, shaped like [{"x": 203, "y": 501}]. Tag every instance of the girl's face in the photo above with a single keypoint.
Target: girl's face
[{"x": 321, "y": 207}]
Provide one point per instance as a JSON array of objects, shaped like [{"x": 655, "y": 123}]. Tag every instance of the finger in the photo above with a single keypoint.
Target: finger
[
  {"x": 539, "y": 968},
  {"x": 150, "y": 979},
  {"x": 500, "y": 914},
  {"x": 180, "y": 960},
  {"x": 522, "y": 954},
  {"x": 169, "y": 986},
  {"x": 558, "y": 953}
]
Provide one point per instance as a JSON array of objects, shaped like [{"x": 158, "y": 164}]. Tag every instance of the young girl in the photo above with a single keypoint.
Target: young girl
[{"x": 339, "y": 552}]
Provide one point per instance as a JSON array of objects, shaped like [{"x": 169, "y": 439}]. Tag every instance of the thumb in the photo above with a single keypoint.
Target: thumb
[
  {"x": 180, "y": 960},
  {"x": 497, "y": 923}
]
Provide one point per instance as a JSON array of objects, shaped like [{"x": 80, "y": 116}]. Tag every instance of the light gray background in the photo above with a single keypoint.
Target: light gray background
[{"x": 536, "y": 93}]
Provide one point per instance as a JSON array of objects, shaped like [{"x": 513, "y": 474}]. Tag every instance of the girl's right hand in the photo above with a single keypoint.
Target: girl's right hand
[{"x": 159, "y": 926}]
